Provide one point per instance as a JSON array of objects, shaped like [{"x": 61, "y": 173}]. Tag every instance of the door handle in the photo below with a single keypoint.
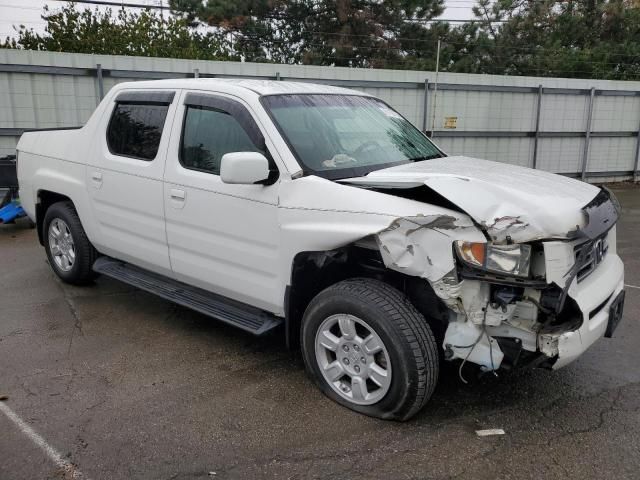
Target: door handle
[
  {"x": 177, "y": 198},
  {"x": 96, "y": 179},
  {"x": 177, "y": 194}
]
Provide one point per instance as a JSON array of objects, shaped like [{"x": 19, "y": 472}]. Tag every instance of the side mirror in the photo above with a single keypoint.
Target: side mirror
[{"x": 244, "y": 168}]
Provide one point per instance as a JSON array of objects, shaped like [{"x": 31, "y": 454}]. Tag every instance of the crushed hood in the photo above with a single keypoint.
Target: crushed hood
[{"x": 506, "y": 200}]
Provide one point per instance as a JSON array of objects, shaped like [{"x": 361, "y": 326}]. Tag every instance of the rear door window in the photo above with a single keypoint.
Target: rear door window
[{"x": 136, "y": 125}]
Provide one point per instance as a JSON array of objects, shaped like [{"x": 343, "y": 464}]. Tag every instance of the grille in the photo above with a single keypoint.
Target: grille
[{"x": 595, "y": 251}]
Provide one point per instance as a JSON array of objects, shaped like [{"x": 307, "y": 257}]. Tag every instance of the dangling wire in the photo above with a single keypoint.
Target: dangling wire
[
  {"x": 473, "y": 345},
  {"x": 467, "y": 357}
]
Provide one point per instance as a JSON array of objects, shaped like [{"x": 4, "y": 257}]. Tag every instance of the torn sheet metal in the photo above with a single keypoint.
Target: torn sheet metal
[
  {"x": 507, "y": 200},
  {"x": 423, "y": 246},
  {"x": 449, "y": 290},
  {"x": 559, "y": 260},
  {"x": 516, "y": 210}
]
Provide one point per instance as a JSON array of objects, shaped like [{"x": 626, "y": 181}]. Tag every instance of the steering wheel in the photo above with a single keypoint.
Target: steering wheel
[{"x": 366, "y": 146}]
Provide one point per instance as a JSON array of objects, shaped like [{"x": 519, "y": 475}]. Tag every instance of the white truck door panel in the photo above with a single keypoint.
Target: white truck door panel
[
  {"x": 224, "y": 238},
  {"x": 125, "y": 178}
]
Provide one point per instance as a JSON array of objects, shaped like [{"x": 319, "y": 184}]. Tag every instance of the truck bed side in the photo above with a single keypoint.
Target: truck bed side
[{"x": 53, "y": 162}]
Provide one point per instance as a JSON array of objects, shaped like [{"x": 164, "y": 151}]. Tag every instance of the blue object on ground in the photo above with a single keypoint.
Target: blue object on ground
[{"x": 11, "y": 211}]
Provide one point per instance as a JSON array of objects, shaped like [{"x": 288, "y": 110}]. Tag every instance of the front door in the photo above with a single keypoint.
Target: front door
[{"x": 222, "y": 237}]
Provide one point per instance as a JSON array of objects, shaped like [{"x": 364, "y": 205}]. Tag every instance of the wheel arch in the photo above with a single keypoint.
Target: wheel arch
[
  {"x": 44, "y": 200},
  {"x": 313, "y": 271}
]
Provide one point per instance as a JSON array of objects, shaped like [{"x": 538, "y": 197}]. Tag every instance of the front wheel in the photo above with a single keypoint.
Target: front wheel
[{"x": 369, "y": 349}]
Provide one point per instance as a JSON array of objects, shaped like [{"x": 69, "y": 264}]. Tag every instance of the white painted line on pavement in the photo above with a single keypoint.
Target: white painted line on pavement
[
  {"x": 631, "y": 286},
  {"x": 51, "y": 452}
]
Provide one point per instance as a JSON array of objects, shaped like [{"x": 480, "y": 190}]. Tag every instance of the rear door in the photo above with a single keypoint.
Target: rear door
[
  {"x": 125, "y": 178},
  {"x": 222, "y": 237}
]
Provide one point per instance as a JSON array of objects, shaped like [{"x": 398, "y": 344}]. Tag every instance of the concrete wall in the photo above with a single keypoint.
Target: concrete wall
[{"x": 496, "y": 115}]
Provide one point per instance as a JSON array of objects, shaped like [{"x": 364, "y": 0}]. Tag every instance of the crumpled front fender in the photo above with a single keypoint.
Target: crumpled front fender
[{"x": 423, "y": 246}]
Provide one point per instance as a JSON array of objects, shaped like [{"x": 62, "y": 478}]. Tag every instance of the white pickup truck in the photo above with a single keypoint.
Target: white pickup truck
[{"x": 323, "y": 212}]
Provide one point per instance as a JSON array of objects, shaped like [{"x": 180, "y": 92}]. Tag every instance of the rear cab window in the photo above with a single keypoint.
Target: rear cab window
[{"x": 137, "y": 122}]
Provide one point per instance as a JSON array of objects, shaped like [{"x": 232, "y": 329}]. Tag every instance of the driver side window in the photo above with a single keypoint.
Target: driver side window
[{"x": 208, "y": 134}]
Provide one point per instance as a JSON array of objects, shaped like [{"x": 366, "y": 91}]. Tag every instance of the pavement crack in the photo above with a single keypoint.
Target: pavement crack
[
  {"x": 29, "y": 392},
  {"x": 601, "y": 418},
  {"x": 557, "y": 463},
  {"x": 77, "y": 322},
  {"x": 470, "y": 460},
  {"x": 101, "y": 402}
]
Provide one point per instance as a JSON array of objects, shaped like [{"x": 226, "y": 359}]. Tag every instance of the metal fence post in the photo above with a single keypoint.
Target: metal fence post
[
  {"x": 537, "y": 135},
  {"x": 425, "y": 114},
  {"x": 636, "y": 164},
  {"x": 100, "y": 82},
  {"x": 196, "y": 73},
  {"x": 587, "y": 136}
]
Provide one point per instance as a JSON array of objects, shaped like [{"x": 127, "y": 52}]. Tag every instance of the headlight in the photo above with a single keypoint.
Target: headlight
[{"x": 512, "y": 260}]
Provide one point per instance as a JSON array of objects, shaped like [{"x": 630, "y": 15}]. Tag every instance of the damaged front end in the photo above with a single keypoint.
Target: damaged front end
[{"x": 537, "y": 302}]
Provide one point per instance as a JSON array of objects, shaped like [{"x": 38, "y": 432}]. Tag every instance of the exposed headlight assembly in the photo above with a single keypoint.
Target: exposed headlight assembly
[{"x": 513, "y": 260}]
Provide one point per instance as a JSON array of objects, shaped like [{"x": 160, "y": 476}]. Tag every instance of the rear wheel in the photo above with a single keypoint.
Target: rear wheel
[
  {"x": 70, "y": 252},
  {"x": 369, "y": 349}
]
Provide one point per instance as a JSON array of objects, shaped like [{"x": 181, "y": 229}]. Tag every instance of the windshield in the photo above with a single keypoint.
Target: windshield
[{"x": 342, "y": 136}]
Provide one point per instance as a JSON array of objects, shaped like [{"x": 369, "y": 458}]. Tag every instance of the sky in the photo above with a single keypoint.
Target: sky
[{"x": 27, "y": 12}]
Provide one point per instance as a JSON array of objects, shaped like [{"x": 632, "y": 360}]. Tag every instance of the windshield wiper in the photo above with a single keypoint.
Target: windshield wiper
[{"x": 426, "y": 157}]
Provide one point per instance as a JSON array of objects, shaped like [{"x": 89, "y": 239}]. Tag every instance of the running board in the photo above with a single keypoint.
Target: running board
[{"x": 245, "y": 317}]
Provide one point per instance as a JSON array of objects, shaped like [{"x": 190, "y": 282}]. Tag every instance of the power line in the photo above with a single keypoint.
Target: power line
[
  {"x": 116, "y": 4},
  {"x": 403, "y": 51},
  {"x": 20, "y": 7},
  {"x": 162, "y": 7},
  {"x": 255, "y": 32},
  {"x": 469, "y": 3},
  {"x": 451, "y": 20},
  {"x": 21, "y": 22}
]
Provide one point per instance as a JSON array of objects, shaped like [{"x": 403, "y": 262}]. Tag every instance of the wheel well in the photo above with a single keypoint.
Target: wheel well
[
  {"x": 46, "y": 198},
  {"x": 312, "y": 272}
]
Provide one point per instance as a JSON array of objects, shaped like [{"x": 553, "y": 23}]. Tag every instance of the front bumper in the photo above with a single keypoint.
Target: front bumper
[
  {"x": 547, "y": 322},
  {"x": 594, "y": 295}
]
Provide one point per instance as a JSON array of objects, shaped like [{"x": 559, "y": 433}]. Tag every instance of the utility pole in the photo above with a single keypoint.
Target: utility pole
[{"x": 435, "y": 92}]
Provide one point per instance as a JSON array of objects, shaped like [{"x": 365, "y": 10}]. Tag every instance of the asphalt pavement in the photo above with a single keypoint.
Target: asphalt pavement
[{"x": 108, "y": 382}]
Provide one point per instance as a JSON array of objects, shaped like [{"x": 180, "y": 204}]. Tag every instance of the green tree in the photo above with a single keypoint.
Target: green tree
[
  {"x": 356, "y": 33},
  {"x": 121, "y": 33},
  {"x": 568, "y": 38},
  {"x": 571, "y": 38}
]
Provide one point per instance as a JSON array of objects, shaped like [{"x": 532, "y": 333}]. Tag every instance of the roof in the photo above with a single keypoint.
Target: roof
[{"x": 260, "y": 87}]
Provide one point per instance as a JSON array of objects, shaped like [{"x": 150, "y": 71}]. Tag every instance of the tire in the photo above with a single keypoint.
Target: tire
[
  {"x": 409, "y": 354},
  {"x": 61, "y": 221}
]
